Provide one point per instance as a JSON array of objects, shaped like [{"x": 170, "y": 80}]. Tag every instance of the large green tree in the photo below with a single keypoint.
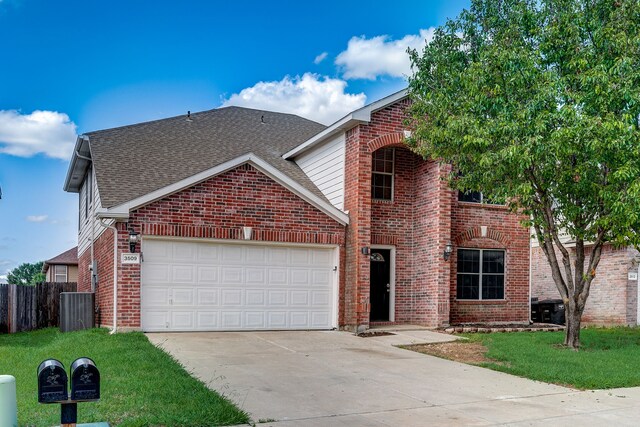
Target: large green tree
[
  {"x": 26, "y": 274},
  {"x": 538, "y": 102}
]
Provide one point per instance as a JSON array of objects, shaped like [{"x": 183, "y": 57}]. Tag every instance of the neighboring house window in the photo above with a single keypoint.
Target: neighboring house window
[
  {"x": 480, "y": 274},
  {"x": 476, "y": 197},
  {"x": 60, "y": 273},
  {"x": 382, "y": 174}
]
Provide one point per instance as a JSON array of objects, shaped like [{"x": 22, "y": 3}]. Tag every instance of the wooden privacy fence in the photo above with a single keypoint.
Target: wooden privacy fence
[{"x": 25, "y": 308}]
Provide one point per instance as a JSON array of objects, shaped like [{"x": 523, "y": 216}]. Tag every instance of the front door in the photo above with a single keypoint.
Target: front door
[{"x": 380, "y": 292}]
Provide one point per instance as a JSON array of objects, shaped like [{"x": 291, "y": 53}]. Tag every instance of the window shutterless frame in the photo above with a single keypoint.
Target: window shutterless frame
[
  {"x": 383, "y": 173},
  {"x": 60, "y": 271},
  {"x": 480, "y": 273}
]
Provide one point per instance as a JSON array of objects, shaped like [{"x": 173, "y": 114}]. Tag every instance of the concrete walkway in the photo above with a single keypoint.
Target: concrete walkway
[{"x": 337, "y": 379}]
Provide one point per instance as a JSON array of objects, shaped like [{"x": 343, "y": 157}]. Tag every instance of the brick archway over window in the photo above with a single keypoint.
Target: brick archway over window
[
  {"x": 387, "y": 140},
  {"x": 476, "y": 233}
]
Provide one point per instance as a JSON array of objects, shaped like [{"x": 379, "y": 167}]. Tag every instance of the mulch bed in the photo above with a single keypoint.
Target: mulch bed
[
  {"x": 369, "y": 334},
  {"x": 472, "y": 353},
  {"x": 513, "y": 327}
]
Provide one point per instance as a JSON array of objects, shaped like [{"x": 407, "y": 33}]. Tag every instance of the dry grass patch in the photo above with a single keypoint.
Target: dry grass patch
[{"x": 473, "y": 353}]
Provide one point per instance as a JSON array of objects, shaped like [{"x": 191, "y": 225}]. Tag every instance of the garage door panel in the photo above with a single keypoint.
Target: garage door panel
[
  {"x": 232, "y": 275},
  {"x": 320, "y": 277},
  {"x": 300, "y": 256},
  {"x": 255, "y": 320},
  {"x": 183, "y": 274},
  {"x": 299, "y": 298},
  {"x": 277, "y": 319},
  {"x": 207, "y": 286},
  {"x": 183, "y": 252},
  {"x": 277, "y": 298},
  {"x": 232, "y": 254},
  {"x": 319, "y": 318},
  {"x": 278, "y": 256},
  {"x": 182, "y": 319},
  {"x": 299, "y": 319},
  {"x": 231, "y": 297},
  {"x": 183, "y": 296},
  {"x": 256, "y": 255},
  {"x": 255, "y": 297},
  {"x": 299, "y": 277},
  {"x": 156, "y": 272},
  {"x": 277, "y": 276},
  {"x": 207, "y": 320},
  {"x": 155, "y": 320},
  {"x": 208, "y": 254},
  {"x": 320, "y": 299},
  {"x": 156, "y": 296},
  {"x": 208, "y": 275},
  {"x": 207, "y": 297},
  {"x": 231, "y": 320},
  {"x": 255, "y": 276}
]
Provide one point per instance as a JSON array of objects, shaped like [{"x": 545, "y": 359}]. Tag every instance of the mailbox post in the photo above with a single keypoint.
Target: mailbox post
[{"x": 53, "y": 386}]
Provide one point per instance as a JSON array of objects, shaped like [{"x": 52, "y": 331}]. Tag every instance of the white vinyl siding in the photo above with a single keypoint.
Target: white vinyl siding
[
  {"x": 324, "y": 165},
  {"x": 89, "y": 222}
]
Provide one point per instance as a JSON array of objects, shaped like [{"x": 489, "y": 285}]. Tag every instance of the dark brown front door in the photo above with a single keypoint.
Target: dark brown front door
[{"x": 380, "y": 292}]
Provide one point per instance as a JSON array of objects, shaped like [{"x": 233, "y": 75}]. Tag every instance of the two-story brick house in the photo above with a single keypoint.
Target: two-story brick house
[{"x": 250, "y": 219}]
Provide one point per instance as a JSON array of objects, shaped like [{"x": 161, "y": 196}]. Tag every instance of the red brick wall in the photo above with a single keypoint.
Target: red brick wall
[
  {"x": 103, "y": 251},
  {"x": 416, "y": 222},
  {"x": 219, "y": 208},
  {"x": 504, "y": 231},
  {"x": 612, "y": 299}
]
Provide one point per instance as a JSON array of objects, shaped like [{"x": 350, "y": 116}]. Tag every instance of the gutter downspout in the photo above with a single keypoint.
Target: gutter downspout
[{"x": 115, "y": 275}]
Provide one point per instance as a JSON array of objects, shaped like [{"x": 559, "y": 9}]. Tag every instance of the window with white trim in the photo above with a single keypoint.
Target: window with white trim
[
  {"x": 382, "y": 174},
  {"x": 60, "y": 273},
  {"x": 480, "y": 274}
]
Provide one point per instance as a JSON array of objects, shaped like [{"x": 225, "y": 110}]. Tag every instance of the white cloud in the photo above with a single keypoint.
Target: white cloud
[
  {"x": 379, "y": 56},
  {"x": 320, "y": 58},
  {"x": 3, "y": 278},
  {"x": 318, "y": 98},
  {"x": 48, "y": 132},
  {"x": 37, "y": 218}
]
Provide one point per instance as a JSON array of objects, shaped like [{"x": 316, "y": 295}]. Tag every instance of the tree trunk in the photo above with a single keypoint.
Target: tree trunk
[{"x": 573, "y": 318}]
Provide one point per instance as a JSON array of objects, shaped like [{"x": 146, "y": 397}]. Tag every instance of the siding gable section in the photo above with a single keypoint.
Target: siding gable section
[{"x": 324, "y": 165}]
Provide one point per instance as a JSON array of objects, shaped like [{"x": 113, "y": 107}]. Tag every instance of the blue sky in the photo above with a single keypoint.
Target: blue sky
[{"x": 70, "y": 67}]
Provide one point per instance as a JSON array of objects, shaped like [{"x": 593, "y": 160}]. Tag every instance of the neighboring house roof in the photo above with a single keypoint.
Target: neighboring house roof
[
  {"x": 133, "y": 161},
  {"x": 69, "y": 257}
]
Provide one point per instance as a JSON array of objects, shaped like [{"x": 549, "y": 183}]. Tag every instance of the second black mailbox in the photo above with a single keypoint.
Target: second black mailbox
[{"x": 85, "y": 380}]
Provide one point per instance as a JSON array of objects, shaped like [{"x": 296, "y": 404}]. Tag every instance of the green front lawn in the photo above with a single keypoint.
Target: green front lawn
[
  {"x": 141, "y": 384},
  {"x": 608, "y": 357}
]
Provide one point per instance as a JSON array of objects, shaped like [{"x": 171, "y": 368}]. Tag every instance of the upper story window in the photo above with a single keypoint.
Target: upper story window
[
  {"x": 476, "y": 197},
  {"x": 60, "y": 273},
  {"x": 382, "y": 174}
]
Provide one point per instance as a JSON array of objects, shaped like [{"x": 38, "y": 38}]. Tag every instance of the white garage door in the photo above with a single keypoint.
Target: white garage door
[{"x": 205, "y": 286}]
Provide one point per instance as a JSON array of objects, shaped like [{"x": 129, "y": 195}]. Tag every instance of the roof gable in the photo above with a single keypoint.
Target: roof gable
[{"x": 133, "y": 161}]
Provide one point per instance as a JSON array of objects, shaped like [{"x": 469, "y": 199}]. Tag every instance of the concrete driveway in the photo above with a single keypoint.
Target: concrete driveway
[{"x": 338, "y": 379}]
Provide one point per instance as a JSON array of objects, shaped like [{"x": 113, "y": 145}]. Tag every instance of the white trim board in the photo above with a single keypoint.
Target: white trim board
[
  {"x": 122, "y": 211},
  {"x": 361, "y": 115}
]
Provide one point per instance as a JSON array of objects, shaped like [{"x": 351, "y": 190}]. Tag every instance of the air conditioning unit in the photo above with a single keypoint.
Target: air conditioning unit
[{"x": 76, "y": 311}]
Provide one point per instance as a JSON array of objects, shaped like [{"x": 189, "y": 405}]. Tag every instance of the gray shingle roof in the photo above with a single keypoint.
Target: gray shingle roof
[{"x": 135, "y": 160}]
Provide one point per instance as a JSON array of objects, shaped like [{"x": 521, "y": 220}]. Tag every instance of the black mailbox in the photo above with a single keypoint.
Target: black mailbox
[
  {"x": 52, "y": 382},
  {"x": 85, "y": 380}
]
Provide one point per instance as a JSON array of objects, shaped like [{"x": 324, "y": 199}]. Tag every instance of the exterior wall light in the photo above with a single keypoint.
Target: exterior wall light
[
  {"x": 448, "y": 250},
  {"x": 133, "y": 239}
]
